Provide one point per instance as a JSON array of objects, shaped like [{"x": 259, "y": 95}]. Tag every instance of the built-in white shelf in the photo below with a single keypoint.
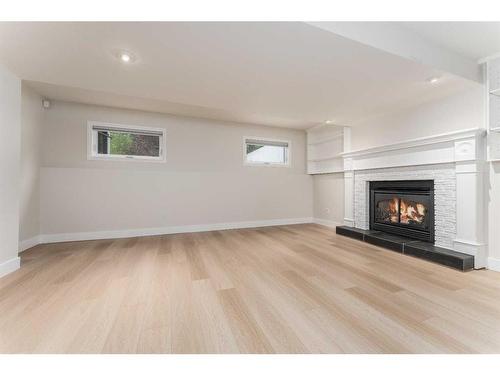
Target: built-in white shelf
[
  {"x": 325, "y": 144},
  {"x": 494, "y": 111},
  {"x": 336, "y": 156},
  {"x": 326, "y": 140},
  {"x": 325, "y": 166},
  {"x": 493, "y": 73},
  {"x": 320, "y": 170},
  {"x": 493, "y": 108},
  {"x": 494, "y": 145}
]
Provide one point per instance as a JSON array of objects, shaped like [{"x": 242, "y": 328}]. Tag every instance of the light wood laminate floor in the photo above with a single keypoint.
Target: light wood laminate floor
[{"x": 288, "y": 289}]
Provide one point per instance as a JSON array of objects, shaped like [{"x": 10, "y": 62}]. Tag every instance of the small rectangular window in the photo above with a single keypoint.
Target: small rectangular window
[
  {"x": 267, "y": 152},
  {"x": 112, "y": 141}
]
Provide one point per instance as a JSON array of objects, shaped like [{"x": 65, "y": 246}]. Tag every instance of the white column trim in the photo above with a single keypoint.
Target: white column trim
[
  {"x": 348, "y": 193},
  {"x": 494, "y": 264}
]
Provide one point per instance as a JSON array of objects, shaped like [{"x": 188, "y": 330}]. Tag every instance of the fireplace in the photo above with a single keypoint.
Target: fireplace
[{"x": 405, "y": 208}]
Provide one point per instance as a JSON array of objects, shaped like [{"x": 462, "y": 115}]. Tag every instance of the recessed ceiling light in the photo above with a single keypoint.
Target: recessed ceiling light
[
  {"x": 433, "y": 80},
  {"x": 125, "y": 57},
  {"x": 328, "y": 122}
]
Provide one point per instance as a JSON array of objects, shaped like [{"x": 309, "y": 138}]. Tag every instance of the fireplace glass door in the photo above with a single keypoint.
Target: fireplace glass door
[{"x": 403, "y": 207}]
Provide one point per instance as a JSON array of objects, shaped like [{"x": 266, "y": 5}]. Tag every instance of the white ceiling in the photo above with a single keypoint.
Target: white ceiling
[
  {"x": 283, "y": 74},
  {"x": 476, "y": 40}
]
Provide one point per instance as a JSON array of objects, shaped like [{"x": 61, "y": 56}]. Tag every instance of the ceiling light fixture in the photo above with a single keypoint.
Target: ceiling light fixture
[
  {"x": 329, "y": 122},
  {"x": 125, "y": 57},
  {"x": 433, "y": 80}
]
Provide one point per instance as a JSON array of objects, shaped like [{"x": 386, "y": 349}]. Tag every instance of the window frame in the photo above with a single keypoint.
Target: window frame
[
  {"x": 267, "y": 164},
  {"x": 92, "y": 143}
]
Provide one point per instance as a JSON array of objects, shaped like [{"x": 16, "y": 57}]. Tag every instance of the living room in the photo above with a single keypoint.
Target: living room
[{"x": 283, "y": 187}]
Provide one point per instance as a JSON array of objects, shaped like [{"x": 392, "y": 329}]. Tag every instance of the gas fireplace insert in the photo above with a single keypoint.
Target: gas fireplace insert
[{"x": 405, "y": 208}]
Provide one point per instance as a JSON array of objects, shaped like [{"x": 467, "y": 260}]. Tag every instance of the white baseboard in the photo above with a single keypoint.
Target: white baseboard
[
  {"x": 9, "y": 266},
  {"x": 29, "y": 243},
  {"x": 494, "y": 264},
  {"x": 101, "y": 235},
  {"x": 326, "y": 223}
]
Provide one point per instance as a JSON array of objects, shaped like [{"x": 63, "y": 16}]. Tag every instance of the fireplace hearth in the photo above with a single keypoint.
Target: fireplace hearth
[{"x": 404, "y": 208}]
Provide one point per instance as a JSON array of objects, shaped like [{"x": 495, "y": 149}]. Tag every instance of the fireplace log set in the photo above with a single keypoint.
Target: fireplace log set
[{"x": 402, "y": 211}]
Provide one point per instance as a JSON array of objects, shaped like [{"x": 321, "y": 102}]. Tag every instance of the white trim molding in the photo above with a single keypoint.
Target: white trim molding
[
  {"x": 465, "y": 150},
  {"x": 489, "y": 58},
  {"x": 141, "y": 232},
  {"x": 29, "y": 243},
  {"x": 9, "y": 266},
  {"x": 326, "y": 223},
  {"x": 419, "y": 142},
  {"x": 348, "y": 194}
]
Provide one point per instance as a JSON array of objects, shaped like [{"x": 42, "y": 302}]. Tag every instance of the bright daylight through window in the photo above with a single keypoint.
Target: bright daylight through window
[{"x": 266, "y": 152}]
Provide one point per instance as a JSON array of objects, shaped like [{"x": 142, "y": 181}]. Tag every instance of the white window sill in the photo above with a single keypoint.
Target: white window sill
[{"x": 127, "y": 158}]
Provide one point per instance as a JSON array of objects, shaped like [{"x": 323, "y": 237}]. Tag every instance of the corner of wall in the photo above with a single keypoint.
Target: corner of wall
[
  {"x": 29, "y": 205},
  {"x": 10, "y": 110}
]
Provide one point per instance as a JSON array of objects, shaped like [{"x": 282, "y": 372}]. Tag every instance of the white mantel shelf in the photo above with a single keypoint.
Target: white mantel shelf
[
  {"x": 418, "y": 142},
  {"x": 463, "y": 145}
]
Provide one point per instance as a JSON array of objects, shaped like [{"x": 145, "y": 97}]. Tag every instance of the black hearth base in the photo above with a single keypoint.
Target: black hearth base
[{"x": 408, "y": 246}]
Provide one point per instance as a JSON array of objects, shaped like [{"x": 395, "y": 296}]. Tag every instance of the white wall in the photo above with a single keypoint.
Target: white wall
[
  {"x": 329, "y": 198},
  {"x": 456, "y": 112},
  {"x": 31, "y": 130},
  {"x": 10, "y": 133},
  {"x": 203, "y": 181}
]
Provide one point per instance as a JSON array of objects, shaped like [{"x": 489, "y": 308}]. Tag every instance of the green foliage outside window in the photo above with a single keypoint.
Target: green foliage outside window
[
  {"x": 121, "y": 143},
  {"x": 252, "y": 148}
]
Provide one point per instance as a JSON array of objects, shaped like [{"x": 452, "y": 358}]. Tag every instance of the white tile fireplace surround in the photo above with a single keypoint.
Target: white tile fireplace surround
[
  {"x": 456, "y": 163},
  {"x": 444, "y": 196}
]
